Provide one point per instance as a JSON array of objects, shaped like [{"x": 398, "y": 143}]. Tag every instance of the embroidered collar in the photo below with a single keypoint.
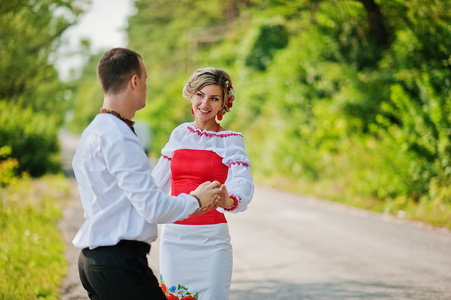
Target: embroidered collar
[
  {"x": 192, "y": 128},
  {"x": 129, "y": 122}
]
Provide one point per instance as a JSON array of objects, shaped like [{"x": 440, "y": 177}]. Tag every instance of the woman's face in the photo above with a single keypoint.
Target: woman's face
[{"x": 207, "y": 102}]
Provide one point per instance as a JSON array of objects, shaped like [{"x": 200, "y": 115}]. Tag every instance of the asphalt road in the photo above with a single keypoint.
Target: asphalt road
[{"x": 290, "y": 246}]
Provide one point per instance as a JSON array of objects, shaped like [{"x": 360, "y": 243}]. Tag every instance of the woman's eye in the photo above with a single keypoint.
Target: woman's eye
[
  {"x": 215, "y": 99},
  {"x": 199, "y": 94}
]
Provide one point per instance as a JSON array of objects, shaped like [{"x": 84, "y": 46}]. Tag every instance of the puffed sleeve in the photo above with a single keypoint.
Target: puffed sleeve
[
  {"x": 162, "y": 174},
  {"x": 239, "y": 181},
  {"x": 162, "y": 171}
]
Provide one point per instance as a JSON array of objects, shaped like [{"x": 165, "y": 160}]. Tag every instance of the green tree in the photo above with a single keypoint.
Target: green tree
[{"x": 29, "y": 34}]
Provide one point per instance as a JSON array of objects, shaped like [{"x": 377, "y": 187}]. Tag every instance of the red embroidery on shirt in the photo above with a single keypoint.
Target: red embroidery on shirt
[
  {"x": 166, "y": 157},
  {"x": 212, "y": 134}
]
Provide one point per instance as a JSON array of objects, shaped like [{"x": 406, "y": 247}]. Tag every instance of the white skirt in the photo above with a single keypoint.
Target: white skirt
[{"x": 196, "y": 260}]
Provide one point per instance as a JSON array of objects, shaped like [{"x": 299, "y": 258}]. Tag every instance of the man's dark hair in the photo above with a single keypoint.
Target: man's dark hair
[{"x": 116, "y": 67}]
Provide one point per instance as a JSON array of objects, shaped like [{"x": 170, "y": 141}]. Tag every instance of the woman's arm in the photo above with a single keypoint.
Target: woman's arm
[{"x": 162, "y": 174}]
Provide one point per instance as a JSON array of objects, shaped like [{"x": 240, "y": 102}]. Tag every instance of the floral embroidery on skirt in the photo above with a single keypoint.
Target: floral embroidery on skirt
[{"x": 177, "y": 293}]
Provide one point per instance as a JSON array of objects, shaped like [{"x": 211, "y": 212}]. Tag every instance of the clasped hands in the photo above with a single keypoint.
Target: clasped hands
[{"x": 212, "y": 195}]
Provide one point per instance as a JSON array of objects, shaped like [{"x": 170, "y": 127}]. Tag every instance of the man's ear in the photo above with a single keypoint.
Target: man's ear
[{"x": 134, "y": 81}]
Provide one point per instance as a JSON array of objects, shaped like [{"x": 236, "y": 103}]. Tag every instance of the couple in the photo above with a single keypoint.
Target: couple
[{"x": 205, "y": 167}]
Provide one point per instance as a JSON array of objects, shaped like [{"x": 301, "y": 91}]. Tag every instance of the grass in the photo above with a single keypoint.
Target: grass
[{"x": 32, "y": 258}]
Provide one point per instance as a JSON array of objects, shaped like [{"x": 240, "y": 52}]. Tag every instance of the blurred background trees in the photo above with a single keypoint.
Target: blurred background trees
[
  {"x": 348, "y": 100},
  {"x": 33, "y": 101}
]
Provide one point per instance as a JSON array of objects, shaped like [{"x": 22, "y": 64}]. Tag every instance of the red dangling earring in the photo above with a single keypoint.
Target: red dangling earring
[
  {"x": 219, "y": 116},
  {"x": 192, "y": 111}
]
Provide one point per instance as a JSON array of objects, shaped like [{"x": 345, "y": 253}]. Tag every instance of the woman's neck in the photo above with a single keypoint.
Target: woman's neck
[{"x": 210, "y": 125}]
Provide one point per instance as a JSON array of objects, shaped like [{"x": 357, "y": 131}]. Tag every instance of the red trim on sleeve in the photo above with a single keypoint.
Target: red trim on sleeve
[
  {"x": 240, "y": 163},
  {"x": 236, "y": 201}
]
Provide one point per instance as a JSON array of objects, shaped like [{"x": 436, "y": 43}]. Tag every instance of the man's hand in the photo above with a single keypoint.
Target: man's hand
[
  {"x": 207, "y": 193},
  {"x": 205, "y": 209}
]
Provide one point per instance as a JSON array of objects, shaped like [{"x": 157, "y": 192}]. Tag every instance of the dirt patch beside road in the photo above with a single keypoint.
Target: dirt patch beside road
[{"x": 69, "y": 225}]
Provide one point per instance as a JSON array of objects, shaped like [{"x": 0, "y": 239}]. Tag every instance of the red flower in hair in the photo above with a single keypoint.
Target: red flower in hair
[
  {"x": 229, "y": 88},
  {"x": 230, "y": 93}
]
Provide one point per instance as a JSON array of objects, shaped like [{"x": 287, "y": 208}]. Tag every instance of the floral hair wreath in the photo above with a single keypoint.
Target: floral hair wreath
[{"x": 230, "y": 95}]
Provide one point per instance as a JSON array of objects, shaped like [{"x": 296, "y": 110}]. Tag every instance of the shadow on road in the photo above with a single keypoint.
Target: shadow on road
[{"x": 272, "y": 289}]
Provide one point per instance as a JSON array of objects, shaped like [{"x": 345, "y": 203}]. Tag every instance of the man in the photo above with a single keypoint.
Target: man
[{"x": 121, "y": 202}]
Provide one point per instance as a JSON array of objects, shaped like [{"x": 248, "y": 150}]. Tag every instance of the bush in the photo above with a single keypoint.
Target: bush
[
  {"x": 32, "y": 136},
  {"x": 8, "y": 166},
  {"x": 422, "y": 132}
]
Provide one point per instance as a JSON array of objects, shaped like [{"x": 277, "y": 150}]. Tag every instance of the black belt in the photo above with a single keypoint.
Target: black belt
[
  {"x": 134, "y": 245},
  {"x": 128, "y": 245}
]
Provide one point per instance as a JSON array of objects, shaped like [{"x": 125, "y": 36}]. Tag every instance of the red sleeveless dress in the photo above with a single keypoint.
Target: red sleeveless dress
[{"x": 189, "y": 169}]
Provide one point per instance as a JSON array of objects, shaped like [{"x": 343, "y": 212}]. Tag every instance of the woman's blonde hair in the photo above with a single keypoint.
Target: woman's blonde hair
[{"x": 207, "y": 76}]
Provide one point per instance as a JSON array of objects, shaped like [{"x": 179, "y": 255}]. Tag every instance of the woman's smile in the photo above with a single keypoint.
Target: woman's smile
[{"x": 204, "y": 111}]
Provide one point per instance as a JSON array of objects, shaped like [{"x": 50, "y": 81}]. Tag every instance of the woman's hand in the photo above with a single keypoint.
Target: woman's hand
[
  {"x": 225, "y": 201},
  {"x": 222, "y": 200}
]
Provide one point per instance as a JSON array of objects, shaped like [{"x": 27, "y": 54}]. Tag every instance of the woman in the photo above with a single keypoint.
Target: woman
[{"x": 196, "y": 254}]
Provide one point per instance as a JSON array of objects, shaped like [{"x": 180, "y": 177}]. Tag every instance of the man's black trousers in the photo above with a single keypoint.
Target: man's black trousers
[{"x": 119, "y": 272}]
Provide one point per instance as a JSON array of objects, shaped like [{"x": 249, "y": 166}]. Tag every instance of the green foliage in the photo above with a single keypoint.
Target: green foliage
[
  {"x": 346, "y": 27},
  {"x": 33, "y": 101},
  {"x": 88, "y": 97},
  {"x": 32, "y": 258},
  {"x": 423, "y": 133},
  {"x": 32, "y": 136},
  {"x": 270, "y": 38},
  {"x": 29, "y": 35},
  {"x": 8, "y": 166}
]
